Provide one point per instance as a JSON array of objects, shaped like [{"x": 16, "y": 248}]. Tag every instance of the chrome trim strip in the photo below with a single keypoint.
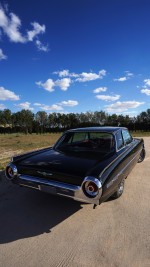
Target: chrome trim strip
[
  {"x": 128, "y": 147},
  {"x": 68, "y": 190},
  {"x": 116, "y": 177}
]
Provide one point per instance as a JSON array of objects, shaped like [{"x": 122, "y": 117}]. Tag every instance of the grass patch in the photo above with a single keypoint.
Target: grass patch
[{"x": 140, "y": 134}]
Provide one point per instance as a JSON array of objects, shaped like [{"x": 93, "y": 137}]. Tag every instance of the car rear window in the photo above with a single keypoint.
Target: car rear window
[{"x": 86, "y": 141}]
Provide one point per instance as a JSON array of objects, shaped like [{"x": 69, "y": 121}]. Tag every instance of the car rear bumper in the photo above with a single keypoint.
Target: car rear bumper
[{"x": 57, "y": 188}]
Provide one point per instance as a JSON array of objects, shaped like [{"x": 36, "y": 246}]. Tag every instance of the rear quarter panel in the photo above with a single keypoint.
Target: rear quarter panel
[{"x": 120, "y": 168}]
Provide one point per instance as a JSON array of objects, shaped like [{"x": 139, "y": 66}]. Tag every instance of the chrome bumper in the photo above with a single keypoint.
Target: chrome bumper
[{"x": 58, "y": 188}]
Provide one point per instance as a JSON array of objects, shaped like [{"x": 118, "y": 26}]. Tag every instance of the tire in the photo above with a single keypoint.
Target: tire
[
  {"x": 120, "y": 189},
  {"x": 142, "y": 156}
]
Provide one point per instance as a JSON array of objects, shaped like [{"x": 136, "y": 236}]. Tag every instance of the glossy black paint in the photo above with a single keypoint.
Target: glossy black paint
[{"x": 71, "y": 167}]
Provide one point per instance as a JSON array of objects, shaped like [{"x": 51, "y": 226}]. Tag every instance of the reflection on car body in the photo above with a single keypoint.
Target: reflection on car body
[{"x": 86, "y": 164}]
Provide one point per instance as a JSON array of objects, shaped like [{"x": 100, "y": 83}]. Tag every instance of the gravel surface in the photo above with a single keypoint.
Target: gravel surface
[{"x": 38, "y": 229}]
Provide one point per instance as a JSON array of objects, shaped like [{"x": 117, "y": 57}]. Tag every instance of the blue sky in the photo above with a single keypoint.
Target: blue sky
[{"x": 75, "y": 56}]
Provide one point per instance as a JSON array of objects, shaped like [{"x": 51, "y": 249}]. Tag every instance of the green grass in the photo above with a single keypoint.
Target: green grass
[{"x": 11, "y": 144}]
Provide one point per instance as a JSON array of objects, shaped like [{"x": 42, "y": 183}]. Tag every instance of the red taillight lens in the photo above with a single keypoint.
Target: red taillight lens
[{"x": 90, "y": 189}]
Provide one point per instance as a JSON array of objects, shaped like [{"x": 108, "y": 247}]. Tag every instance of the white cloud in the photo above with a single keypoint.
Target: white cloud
[
  {"x": 62, "y": 73},
  {"x": 41, "y": 47},
  {"x": 85, "y": 77},
  {"x": 69, "y": 103},
  {"x": 37, "y": 29},
  {"x": 48, "y": 85},
  {"x": 123, "y": 106},
  {"x": 2, "y": 56},
  {"x": 147, "y": 82},
  {"x": 99, "y": 90},
  {"x": 146, "y": 91},
  {"x": 58, "y": 106},
  {"x": 82, "y": 77},
  {"x": 7, "y": 94},
  {"x": 128, "y": 75},
  {"x": 2, "y": 106},
  {"x": 63, "y": 83},
  {"x": 108, "y": 97},
  {"x": 25, "y": 105},
  {"x": 66, "y": 73},
  {"x": 54, "y": 107},
  {"x": 11, "y": 25},
  {"x": 121, "y": 79}
]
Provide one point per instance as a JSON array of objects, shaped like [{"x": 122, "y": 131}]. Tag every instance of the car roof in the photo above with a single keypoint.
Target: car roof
[{"x": 109, "y": 129}]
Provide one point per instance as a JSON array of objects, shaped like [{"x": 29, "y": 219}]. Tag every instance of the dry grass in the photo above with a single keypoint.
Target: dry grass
[{"x": 13, "y": 144}]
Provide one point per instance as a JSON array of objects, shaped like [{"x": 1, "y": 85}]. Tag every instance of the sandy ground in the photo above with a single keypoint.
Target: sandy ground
[{"x": 37, "y": 229}]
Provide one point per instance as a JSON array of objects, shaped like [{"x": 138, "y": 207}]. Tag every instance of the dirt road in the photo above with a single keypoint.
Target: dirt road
[{"x": 38, "y": 230}]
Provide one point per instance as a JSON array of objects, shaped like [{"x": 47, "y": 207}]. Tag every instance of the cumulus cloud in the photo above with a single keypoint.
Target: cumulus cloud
[
  {"x": 81, "y": 77},
  {"x": 123, "y": 106},
  {"x": 2, "y": 56},
  {"x": 121, "y": 79},
  {"x": 41, "y": 47},
  {"x": 37, "y": 29},
  {"x": 25, "y": 105},
  {"x": 11, "y": 26},
  {"x": 85, "y": 77},
  {"x": 50, "y": 84},
  {"x": 147, "y": 82},
  {"x": 108, "y": 97},
  {"x": 146, "y": 91},
  {"x": 146, "y": 87},
  {"x": 7, "y": 94},
  {"x": 63, "y": 83},
  {"x": 66, "y": 73},
  {"x": 69, "y": 103},
  {"x": 54, "y": 107},
  {"x": 10, "y": 23},
  {"x": 99, "y": 90},
  {"x": 58, "y": 106}
]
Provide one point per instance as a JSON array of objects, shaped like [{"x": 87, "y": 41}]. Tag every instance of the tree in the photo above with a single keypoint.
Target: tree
[
  {"x": 42, "y": 119},
  {"x": 24, "y": 119}
]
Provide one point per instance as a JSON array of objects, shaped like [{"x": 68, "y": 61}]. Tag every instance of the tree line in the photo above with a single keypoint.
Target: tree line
[{"x": 27, "y": 122}]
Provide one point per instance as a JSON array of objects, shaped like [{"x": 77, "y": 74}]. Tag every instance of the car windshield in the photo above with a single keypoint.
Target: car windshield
[{"x": 86, "y": 141}]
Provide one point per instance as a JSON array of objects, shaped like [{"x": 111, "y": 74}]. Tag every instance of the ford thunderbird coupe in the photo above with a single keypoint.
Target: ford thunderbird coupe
[{"x": 86, "y": 164}]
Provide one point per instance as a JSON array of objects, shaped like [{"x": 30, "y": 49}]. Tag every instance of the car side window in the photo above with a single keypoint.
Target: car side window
[
  {"x": 126, "y": 136},
  {"x": 119, "y": 138}
]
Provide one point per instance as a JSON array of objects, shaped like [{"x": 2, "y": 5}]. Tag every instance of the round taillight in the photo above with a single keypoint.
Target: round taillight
[
  {"x": 11, "y": 171},
  {"x": 91, "y": 189}
]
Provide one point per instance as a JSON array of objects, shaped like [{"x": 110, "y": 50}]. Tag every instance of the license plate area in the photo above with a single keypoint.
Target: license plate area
[{"x": 48, "y": 189}]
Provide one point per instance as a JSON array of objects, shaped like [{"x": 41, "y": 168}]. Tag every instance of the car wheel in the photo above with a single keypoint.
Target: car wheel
[
  {"x": 120, "y": 189},
  {"x": 142, "y": 156}
]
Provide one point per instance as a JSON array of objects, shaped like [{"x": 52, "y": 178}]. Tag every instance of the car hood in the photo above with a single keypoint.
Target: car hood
[{"x": 70, "y": 167}]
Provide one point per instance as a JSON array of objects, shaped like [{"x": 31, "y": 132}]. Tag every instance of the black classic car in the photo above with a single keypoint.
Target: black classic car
[{"x": 86, "y": 164}]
